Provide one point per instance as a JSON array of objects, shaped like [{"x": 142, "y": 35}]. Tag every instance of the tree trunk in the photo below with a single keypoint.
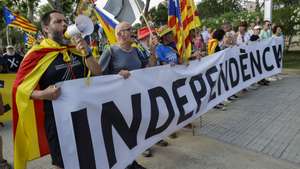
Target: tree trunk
[
  {"x": 30, "y": 5},
  {"x": 289, "y": 43},
  {"x": 56, "y": 4},
  {"x": 146, "y": 11}
]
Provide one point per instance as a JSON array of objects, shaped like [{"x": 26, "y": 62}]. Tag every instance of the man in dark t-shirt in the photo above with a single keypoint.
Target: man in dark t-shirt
[
  {"x": 63, "y": 67},
  {"x": 11, "y": 60}
]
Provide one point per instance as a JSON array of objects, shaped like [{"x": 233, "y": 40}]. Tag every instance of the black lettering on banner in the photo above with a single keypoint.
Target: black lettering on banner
[
  {"x": 154, "y": 93},
  {"x": 112, "y": 117},
  {"x": 278, "y": 55},
  {"x": 84, "y": 145},
  {"x": 255, "y": 63},
  {"x": 198, "y": 95},
  {"x": 234, "y": 82},
  {"x": 180, "y": 101},
  {"x": 244, "y": 56},
  {"x": 268, "y": 68},
  {"x": 211, "y": 82},
  {"x": 223, "y": 78}
]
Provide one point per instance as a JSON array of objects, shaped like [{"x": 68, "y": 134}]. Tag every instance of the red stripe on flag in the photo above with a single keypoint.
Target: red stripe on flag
[
  {"x": 172, "y": 21},
  {"x": 182, "y": 5},
  {"x": 23, "y": 26},
  {"x": 187, "y": 21},
  {"x": 40, "y": 124},
  {"x": 26, "y": 67},
  {"x": 25, "y": 22}
]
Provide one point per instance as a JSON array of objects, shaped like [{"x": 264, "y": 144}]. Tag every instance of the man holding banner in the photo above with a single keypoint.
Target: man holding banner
[{"x": 52, "y": 61}]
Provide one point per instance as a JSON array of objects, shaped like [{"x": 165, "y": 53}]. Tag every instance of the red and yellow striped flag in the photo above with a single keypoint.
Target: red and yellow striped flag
[
  {"x": 28, "y": 115},
  {"x": 183, "y": 17},
  {"x": 15, "y": 20}
]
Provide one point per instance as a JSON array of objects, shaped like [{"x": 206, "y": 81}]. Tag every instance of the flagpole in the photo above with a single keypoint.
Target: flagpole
[
  {"x": 7, "y": 35},
  {"x": 147, "y": 23}
]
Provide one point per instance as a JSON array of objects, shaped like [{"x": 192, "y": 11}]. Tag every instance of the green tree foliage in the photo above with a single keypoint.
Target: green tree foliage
[
  {"x": 159, "y": 15},
  {"x": 66, "y": 6},
  {"x": 25, "y": 8},
  {"x": 214, "y": 8}
]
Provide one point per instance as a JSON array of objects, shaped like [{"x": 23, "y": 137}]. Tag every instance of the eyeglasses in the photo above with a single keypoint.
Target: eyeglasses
[{"x": 126, "y": 30}]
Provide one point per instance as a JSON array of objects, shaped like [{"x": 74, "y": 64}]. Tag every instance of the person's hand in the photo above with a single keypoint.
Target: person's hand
[
  {"x": 197, "y": 55},
  {"x": 124, "y": 73},
  {"x": 2, "y": 111},
  {"x": 51, "y": 93},
  {"x": 81, "y": 45}
]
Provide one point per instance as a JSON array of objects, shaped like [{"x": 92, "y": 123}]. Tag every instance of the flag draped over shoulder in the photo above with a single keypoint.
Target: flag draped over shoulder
[
  {"x": 28, "y": 117},
  {"x": 15, "y": 20},
  {"x": 183, "y": 17},
  {"x": 107, "y": 24}
]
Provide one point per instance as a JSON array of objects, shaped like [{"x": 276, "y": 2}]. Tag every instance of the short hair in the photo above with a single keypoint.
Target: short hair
[
  {"x": 218, "y": 34},
  {"x": 119, "y": 26},
  {"x": 244, "y": 24},
  {"x": 274, "y": 29},
  {"x": 45, "y": 18}
]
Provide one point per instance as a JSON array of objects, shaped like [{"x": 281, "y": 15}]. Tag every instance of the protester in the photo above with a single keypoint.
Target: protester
[
  {"x": 256, "y": 32},
  {"x": 144, "y": 44},
  {"x": 12, "y": 60},
  {"x": 198, "y": 45},
  {"x": 242, "y": 35},
  {"x": 206, "y": 34},
  {"x": 121, "y": 59},
  {"x": 166, "y": 51},
  {"x": 251, "y": 28},
  {"x": 214, "y": 43},
  {"x": 59, "y": 62},
  {"x": 266, "y": 32},
  {"x": 3, "y": 162},
  {"x": 277, "y": 31}
]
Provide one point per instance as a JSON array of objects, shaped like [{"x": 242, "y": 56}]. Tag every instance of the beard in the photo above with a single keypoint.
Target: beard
[{"x": 59, "y": 38}]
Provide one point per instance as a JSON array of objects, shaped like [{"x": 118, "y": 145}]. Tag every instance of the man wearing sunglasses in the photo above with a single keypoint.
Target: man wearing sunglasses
[{"x": 266, "y": 32}]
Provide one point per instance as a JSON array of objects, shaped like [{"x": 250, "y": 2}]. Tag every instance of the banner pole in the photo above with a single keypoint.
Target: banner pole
[
  {"x": 7, "y": 35},
  {"x": 147, "y": 23}
]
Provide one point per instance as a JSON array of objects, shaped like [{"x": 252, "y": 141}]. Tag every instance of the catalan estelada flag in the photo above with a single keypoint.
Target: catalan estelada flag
[
  {"x": 196, "y": 18},
  {"x": 29, "y": 40},
  {"x": 28, "y": 115},
  {"x": 183, "y": 17},
  {"x": 14, "y": 20},
  {"x": 107, "y": 24}
]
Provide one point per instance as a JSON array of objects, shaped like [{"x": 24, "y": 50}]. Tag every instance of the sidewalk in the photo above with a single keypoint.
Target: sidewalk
[{"x": 261, "y": 130}]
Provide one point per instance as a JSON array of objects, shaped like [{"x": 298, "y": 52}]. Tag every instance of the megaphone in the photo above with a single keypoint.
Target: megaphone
[{"x": 83, "y": 26}]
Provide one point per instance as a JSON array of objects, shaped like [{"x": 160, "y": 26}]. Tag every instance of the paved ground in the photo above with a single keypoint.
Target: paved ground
[
  {"x": 266, "y": 120},
  {"x": 261, "y": 130}
]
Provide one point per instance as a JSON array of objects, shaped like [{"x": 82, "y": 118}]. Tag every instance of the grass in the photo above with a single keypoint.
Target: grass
[{"x": 291, "y": 60}]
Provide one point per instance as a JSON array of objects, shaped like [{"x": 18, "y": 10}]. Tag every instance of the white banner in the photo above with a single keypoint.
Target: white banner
[{"x": 111, "y": 122}]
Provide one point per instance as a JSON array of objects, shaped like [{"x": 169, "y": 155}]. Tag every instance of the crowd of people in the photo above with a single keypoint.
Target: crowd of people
[{"x": 148, "y": 47}]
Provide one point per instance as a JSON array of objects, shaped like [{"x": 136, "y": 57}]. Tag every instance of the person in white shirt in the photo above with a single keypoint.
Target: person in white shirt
[
  {"x": 206, "y": 34},
  {"x": 242, "y": 35}
]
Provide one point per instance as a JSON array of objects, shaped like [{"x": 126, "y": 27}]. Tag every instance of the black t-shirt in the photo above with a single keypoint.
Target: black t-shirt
[
  {"x": 254, "y": 37},
  {"x": 59, "y": 71},
  {"x": 12, "y": 62}
]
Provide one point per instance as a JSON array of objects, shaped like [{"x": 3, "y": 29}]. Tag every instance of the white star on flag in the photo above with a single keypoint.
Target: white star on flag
[{"x": 11, "y": 17}]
